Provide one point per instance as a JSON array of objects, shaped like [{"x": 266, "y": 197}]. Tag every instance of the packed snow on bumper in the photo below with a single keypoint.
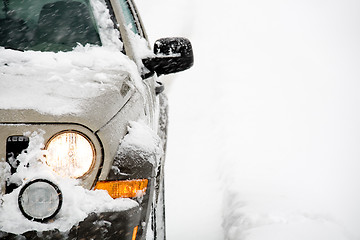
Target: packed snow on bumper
[{"x": 78, "y": 202}]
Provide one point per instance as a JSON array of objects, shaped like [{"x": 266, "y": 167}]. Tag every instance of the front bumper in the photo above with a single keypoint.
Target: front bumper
[
  {"x": 107, "y": 219},
  {"x": 97, "y": 226}
]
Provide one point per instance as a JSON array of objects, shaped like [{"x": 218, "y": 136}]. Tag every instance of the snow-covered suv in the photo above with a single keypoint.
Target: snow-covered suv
[{"x": 82, "y": 120}]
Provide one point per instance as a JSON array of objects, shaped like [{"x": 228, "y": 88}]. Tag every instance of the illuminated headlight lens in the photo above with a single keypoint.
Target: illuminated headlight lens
[
  {"x": 40, "y": 200},
  {"x": 70, "y": 154}
]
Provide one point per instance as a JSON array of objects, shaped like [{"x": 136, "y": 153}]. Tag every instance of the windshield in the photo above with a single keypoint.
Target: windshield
[{"x": 46, "y": 25}]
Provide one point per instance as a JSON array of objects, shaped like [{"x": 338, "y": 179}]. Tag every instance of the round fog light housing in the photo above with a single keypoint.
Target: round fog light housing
[{"x": 40, "y": 200}]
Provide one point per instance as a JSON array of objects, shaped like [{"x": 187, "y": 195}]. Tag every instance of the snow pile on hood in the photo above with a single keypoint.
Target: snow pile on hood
[
  {"x": 78, "y": 202},
  {"x": 61, "y": 81},
  {"x": 58, "y": 83}
]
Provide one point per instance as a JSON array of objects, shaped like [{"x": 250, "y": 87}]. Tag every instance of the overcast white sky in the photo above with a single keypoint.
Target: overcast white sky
[{"x": 264, "y": 134}]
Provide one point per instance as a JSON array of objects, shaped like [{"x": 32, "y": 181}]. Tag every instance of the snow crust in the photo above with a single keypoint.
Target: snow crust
[
  {"x": 143, "y": 141},
  {"x": 78, "y": 202},
  {"x": 110, "y": 37},
  {"x": 141, "y": 48}
]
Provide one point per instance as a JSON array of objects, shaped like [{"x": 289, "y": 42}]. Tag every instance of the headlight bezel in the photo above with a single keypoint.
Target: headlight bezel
[
  {"x": 92, "y": 145},
  {"x": 24, "y": 209}
]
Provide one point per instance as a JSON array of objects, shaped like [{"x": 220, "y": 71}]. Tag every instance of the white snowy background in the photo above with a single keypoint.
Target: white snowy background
[{"x": 264, "y": 136}]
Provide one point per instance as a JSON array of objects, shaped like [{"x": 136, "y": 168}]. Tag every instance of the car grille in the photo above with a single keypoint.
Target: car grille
[{"x": 14, "y": 146}]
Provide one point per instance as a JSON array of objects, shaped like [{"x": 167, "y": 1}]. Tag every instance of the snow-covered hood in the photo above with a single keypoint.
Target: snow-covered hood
[{"x": 87, "y": 86}]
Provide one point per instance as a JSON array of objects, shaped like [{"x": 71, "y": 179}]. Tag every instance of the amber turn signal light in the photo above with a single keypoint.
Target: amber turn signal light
[
  {"x": 124, "y": 189},
  {"x": 135, "y": 232}
]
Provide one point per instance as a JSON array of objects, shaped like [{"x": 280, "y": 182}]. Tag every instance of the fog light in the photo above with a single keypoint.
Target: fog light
[{"x": 40, "y": 200}]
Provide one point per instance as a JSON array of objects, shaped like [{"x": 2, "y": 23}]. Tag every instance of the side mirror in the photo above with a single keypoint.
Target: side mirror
[{"x": 171, "y": 55}]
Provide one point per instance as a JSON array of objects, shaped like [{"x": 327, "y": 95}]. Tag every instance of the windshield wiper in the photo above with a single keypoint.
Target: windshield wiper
[{"x": 6, "y": 8}]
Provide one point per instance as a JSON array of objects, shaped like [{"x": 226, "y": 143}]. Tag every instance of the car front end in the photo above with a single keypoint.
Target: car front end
[
  {"x": 74, "y": 168},
  {"x": 82, "y": 120}
]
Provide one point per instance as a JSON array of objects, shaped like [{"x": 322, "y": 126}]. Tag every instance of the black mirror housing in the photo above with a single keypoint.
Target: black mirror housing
[{"x": 172, "y": 55}]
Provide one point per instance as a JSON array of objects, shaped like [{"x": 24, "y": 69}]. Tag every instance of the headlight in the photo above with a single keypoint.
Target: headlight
[
  {"x": 40, "y": 200},
  {"x": 70, "y": 154}
]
